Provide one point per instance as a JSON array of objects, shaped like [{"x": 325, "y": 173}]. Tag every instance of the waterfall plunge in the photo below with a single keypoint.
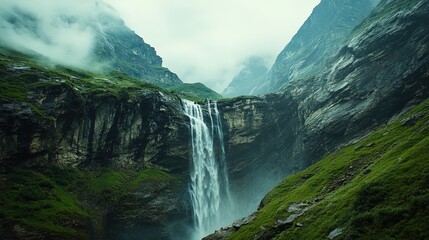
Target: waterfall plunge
[{"x": 209, "y": 187}]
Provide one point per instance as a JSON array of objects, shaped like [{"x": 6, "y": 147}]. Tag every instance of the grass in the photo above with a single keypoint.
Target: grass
[
  {"x": 22, "y": 74},
  {"x": 195, "y": 92},
  {"x": 375, "y": 189},
  {"x": 35, "y": 201},
  {"x": 376, "y": 16},
  {"x": 113, "y": 184},
  {"x": 49, "y": 201}
]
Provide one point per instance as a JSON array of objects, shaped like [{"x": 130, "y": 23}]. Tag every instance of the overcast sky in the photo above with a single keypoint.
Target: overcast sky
[{"x": 206, "y": 41}]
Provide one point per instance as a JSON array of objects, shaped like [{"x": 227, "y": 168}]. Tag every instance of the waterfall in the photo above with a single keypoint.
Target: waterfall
[{"x": 209, "y": 186}]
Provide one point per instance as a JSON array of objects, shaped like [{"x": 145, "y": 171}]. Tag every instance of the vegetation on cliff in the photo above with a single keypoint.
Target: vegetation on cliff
[
  {"x": 376, "y": 188},
  {"x": 67, "y": 203},
  {"x": 21, "y": 73},
  {"x": 195, "y": 91}
]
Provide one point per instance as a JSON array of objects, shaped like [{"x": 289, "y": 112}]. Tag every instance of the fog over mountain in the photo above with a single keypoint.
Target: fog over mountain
[
  {"x": 84, "y": 34},
  {"x": 207, "y": 41},
  {"x": 56, "y": 29}
]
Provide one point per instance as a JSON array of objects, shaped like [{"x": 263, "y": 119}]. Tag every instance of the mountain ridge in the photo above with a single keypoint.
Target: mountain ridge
[
  {"x": 318, "y": 38},
  {"x": 98, "y": 40}
]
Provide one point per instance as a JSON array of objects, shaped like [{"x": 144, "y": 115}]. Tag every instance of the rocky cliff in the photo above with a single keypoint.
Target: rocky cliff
[
  {"x": 374, "y": 189},
  {"x": 57, "y": 126},
  {"x": 101, "y": 157},
  {"x": 378, "y": 72},
  {"x": 320, "y": 36}
]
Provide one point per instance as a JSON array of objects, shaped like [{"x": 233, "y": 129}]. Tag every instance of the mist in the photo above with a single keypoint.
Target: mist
[
  {"x": 63, "y": 31},
  {"x": 207, "y": 41}
]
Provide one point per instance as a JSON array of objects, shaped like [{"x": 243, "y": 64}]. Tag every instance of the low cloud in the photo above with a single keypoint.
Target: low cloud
[
  {"x": 60, "y": 30},
  {"x": 201, "y": 41},
  {"x": 207, "y": 41}
]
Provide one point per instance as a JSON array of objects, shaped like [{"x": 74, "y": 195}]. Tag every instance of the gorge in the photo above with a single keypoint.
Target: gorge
[{"x": 336, "y": 148}]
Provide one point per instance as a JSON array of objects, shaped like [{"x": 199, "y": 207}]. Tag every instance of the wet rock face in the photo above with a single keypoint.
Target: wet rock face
[
  {"x": 70, "y": 131},
  {"x": 320, "y": 36},
  {"x": 381, "y": 70},
  {"x": 259, "y": 132}
]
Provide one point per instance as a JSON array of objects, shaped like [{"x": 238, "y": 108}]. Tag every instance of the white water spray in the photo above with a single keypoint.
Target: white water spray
[{"x": 209, "y": 187}]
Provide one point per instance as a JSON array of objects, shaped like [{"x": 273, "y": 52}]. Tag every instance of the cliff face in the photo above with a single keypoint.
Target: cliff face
[
  {"x": 95, "y": 132},
  {"x": 260, "y": 132},
  {"x": 103, "y": 156},
  {"x": 373, "y": 189},
  {"x": 381, "y": 70},
  {"x": 320, "y": 36}
]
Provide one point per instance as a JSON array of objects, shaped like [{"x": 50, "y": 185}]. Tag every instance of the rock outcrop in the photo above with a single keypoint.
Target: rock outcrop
[
  {"x": 104, "y": 141},
  {"x": 381, "y": 70},
  {"x": 60, "y": 127},
  {"x": 320, "y": 36}
]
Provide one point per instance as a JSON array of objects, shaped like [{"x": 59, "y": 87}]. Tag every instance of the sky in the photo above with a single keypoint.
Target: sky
[{"x": 208, "y": 41}]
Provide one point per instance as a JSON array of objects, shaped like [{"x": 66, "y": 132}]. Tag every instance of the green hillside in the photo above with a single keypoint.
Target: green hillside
[
  {"x": 195, "y": 91},
  {"x": 21, "y": 73},
  {"x": 377, "y": 188}
]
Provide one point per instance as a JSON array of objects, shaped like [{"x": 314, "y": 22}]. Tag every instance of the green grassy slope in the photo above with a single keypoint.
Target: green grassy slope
[
  {"x": 377, "y": 188},
  {"x": 195, "y": 91},
  {"x": 61, "y": 203},
  {"x": 21, "y": 73}
]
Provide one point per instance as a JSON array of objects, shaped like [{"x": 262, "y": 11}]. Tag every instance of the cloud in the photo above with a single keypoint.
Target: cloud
[
  {"x": 60, "y": 30},
  {"x": 207, "y": 41},
  {"x": 200, "y": 40}
]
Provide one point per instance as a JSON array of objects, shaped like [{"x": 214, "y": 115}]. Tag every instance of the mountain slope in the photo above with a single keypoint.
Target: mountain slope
[
  {"x": 85, "y": 156},
  {"x": 374, "y": 189},
  {"x": 195, "y": 91},
  {"x": 244, "y": 82},
  {"x": 126, "y": 52},
  {"x": 86, "y": 34},
  {"x": 320, "y": 36},
  {"x": 381, "y": 70}
]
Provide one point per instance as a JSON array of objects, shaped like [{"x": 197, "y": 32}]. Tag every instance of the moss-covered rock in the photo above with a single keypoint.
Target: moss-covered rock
[
  {"x": 81, "y": 204},
  {"x": 88, "y": 156},
  {"x": 374, "y": 189},
  {"x": 69, "y": 117}
]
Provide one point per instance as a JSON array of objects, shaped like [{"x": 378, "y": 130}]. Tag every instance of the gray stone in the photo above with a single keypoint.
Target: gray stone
[{"x": 335, "y": 233}]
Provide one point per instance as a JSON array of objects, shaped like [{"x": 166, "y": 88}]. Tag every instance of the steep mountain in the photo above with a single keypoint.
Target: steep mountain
[
  {"x": 322, "y": 33},
  {"x": 98, "y": 155},
  {"x": 376, "y": 188},
  {"x": 244, "y": 82},
  {"x": 96, "y": 34},
  {"x": 381, "y": 70},
  {"x": 125, "y": 51}
]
